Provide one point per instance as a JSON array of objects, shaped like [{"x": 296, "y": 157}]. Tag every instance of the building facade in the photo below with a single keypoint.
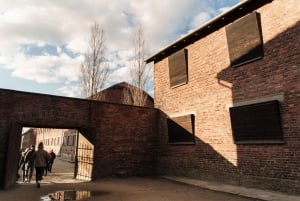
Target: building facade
[
  {"x": 62, "y": 141},
  {"x": 227, "y": 108},
  {"x": 229, "y": 93},
  {"x": 28, "y": 139}
]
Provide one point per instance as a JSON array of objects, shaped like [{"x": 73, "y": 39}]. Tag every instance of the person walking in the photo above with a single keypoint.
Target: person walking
[
  {"x": 29, "y": 163},
  {"x": 40, "y": 160},
  {"x": 22, "y": 163},
  {"x": 51, "y": 161}
]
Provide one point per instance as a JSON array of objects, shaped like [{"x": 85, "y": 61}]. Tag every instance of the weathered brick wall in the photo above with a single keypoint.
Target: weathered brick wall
[
  {"x": 214, "y": 86},
  {"x": 124, "y": 140}
]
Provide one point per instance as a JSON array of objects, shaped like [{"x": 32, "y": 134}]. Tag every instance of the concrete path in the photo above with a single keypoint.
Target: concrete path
[
  {"x": 59, "y": 184},
  {"x": 116, "y": 189},
  {"x": 236, "y": 190}
]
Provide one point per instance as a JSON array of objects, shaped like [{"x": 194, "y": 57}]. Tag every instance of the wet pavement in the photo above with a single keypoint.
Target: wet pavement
[
  {"x": 113, "y": 189},
  {"x": 60, "y": 185}
]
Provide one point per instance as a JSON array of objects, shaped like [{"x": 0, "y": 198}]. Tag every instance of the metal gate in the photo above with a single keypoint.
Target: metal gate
[{"x": 84, "y": 158}]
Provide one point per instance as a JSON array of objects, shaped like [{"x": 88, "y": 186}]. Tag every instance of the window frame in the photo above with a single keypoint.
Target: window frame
[
  {"x": 260, "y": 121},
  {"x": 178, "y": 68},
  {"x": 180, "y": 123},
  {"x": 245, "y": 40}
]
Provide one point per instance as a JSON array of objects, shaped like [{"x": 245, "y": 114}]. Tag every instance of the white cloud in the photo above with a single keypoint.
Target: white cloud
[
  {"x": 121, "y": 74},
  {"x": 223, "y": 9},
  {"x": 45, "y": 68},
  {"x": 70, "y": 90},
  {"x": 201, "y": 18},
  {"x": 67, "y": 24}
]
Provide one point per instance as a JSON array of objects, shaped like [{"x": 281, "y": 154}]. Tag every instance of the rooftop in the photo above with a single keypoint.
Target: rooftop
[{"x": 237, "y": 11}]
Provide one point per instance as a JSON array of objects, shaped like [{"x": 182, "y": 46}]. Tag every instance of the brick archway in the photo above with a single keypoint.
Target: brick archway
[{"x": 115, "y": 126}]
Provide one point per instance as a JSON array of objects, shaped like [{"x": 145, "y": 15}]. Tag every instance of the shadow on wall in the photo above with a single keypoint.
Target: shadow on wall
[
  {"x": 270, "y": 164},
  {"x": 192, "y": 159},
  {"x": 275, "y": 77}
]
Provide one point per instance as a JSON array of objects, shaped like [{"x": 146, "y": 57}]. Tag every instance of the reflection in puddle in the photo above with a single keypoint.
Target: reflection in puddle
[{"x": 70, "y": 195}]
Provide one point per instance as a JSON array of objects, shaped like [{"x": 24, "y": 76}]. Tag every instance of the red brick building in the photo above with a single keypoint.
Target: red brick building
[
  {"x": 230, "y": 94},
  {"x": 227, "y": 98}
]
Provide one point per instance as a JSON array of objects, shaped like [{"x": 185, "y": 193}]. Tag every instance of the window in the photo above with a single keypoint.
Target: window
[
  {"x": 74, "y": 140},
  {"x": 256, "y": 123},
  {"x": 178, "y": 68},
  {"x": 68, "y": 140},
  {"x": 244, "y": 39},
  {"x": 181, "y": 129},
  {"x": 65, "y": 141}
]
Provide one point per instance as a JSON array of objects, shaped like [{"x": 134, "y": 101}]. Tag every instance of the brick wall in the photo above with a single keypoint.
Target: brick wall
[
  {"x": 123, "y": 141},
  {"x": 213, "y": 86}
]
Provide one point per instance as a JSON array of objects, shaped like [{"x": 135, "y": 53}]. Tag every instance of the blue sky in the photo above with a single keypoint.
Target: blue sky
[{"x": 43, "y": 42}]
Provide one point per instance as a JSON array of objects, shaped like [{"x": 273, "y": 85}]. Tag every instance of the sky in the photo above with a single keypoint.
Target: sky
[{"x": 42, "y": 42}]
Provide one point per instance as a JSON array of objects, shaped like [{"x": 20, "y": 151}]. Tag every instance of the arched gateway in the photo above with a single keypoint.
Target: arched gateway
[{"x": 123, "y": 136}]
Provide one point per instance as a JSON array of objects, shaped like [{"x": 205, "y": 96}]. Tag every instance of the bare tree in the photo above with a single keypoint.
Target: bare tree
[
  {"x": 139, "y": 72},
  {"x": 94, "y": 70}
]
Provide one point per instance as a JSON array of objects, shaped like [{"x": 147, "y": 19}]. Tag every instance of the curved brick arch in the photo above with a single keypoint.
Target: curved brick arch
[{"x": 114, "y": 125}]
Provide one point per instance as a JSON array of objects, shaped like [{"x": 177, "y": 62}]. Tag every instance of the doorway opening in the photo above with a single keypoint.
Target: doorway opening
[{"x": 74, "y": 154}]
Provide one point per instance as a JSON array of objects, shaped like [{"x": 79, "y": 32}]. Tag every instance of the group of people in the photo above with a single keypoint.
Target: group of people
[{"x": 39, "y": 159}]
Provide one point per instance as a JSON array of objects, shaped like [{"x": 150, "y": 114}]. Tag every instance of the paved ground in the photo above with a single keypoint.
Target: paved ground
[
  {"x": 61, "y": 183},
  {"x": 130, "y": 189}
]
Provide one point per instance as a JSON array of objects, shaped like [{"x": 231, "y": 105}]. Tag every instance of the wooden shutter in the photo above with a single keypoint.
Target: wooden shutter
[
  {"x": 244, "y": 39},
  {"x": 181, "y": 129},
  {"x": 256, "y": 123},
  {"x": 178, "y": 68}
]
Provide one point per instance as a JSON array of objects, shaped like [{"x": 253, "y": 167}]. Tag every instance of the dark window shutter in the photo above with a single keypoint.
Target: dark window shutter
[
  {"x": 178, "y": 68},
  {"x": 244, "y": 39},
  {"x": 257, "y": 123},
  {"x": 181, "y": 129}
]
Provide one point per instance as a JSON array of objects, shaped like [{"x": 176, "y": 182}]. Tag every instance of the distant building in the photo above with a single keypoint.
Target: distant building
[
  {"x": 68, "y": 148},
  {"x": 117, "y": 94},
  {"x": 28, "y": 138},
  {"x": 61, "y": 141}
]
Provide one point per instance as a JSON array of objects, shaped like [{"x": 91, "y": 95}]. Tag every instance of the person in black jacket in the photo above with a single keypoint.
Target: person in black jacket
[{"x": 51, "y": 161}]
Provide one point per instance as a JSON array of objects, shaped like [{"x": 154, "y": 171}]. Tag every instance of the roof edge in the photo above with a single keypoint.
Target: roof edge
[{"x": 207, "y": 28}]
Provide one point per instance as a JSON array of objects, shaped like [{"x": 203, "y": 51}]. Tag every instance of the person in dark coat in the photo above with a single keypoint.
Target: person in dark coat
[
  {"x": 51, "y": 161},
  {"x": 40, "y": 161}
]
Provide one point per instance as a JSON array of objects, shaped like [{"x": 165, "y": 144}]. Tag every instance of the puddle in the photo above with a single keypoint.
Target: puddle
[{"x": 71, "y": 195}]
